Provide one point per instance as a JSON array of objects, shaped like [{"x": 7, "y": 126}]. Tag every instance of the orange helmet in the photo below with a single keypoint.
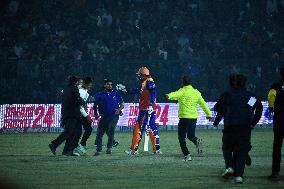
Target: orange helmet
[{"x": 144, "y": 71}]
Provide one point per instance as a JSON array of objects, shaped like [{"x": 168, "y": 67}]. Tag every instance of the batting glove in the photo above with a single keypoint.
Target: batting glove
[
  {"x": 121, "y": 87},
  {"x": 150, "y": 109}
]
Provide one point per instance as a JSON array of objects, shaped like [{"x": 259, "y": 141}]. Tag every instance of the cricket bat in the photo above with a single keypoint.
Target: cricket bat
[{"x": 147, "y": 133}]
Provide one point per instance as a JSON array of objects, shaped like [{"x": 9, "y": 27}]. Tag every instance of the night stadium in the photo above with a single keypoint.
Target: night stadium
[{"x": 141, "y": 93}]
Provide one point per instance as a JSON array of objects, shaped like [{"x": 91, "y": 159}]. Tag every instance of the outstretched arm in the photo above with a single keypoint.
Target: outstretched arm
[
  {"x": 174, "y": 95},
  {"x": 134, "y": 91}
]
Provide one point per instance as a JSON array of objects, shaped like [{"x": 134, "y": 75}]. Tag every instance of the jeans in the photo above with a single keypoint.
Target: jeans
[{"x": 106, "y": 125}]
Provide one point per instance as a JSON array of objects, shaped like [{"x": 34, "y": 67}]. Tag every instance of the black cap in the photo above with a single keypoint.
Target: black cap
[{"x": 107, "y": 80}]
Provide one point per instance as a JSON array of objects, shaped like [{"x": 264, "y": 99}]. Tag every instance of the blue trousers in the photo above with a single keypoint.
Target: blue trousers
[{"x": 142, "y": 122}]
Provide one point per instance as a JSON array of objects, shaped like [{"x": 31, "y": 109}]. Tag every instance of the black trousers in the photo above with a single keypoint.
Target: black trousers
[
  {"x": 236, "y": 145},
  {"x": 71, "y": 134},
  {"x": 278, "y": 130},
  {"x": 106, "y": 125},
  {"x": 186, "y": 129},
  {"x": 87, "y": 131}
]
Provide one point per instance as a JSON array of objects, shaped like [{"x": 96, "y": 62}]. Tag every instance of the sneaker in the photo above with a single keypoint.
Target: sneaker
[
  {"x": 97, "y": 153},
  {"x": 128, "y": 152},
  {"x": 228, "y": 173},
  {"x": 115, "y": 143},
  {"x": 199, "y": 146},
  {"x": 52, "y": 149},
  {"x": 238, "y": 180},
  {"x": 82, "y": 149},
  {"x": 108, "y": 151},
  {"x": 187, "y": 158},
  {"x": 248, "y": 160},
  {"x": 158, "y": 152},
  {"x": 131, "y": 152},
  {"x": 274, "y": 177},
  {"x": 76, "y": 152},
  {"x": 79, "y": 151}
]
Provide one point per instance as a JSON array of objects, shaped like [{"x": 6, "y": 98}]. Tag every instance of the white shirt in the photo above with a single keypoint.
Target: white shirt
[{"x": 84, "y": 95}]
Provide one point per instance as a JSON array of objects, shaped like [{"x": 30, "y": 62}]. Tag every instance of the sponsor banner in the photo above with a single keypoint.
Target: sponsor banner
[
  {"x": 30, "y": 116},
  {"x": 46, "y": 117}
]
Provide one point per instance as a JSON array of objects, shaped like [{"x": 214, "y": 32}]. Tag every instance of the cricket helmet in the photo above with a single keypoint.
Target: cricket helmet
[{"x": 144, "y": 71}]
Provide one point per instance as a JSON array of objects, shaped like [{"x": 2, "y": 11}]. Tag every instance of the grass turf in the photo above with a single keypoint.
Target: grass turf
[{"x": 26, "y": 160}]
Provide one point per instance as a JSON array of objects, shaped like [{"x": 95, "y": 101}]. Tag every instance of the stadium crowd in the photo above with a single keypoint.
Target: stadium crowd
[{"x": 200, "y": 35}]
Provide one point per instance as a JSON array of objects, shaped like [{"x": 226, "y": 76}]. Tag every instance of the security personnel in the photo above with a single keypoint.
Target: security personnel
[
  {"x": 71, "y": 117},
  {"x": 188, "y": 98},
  {"x": 237, "y": 106},
  {"x": 110, "y": 104},
  {"x": 276, "y": 106}
]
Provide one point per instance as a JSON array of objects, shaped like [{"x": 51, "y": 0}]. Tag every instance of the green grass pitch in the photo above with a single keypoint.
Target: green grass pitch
[{"x": 26, "y": 160}]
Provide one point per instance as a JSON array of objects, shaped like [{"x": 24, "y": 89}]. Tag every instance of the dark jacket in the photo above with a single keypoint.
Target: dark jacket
[
  {"x": 71, "y": 103},
  {"x": 239, "y": 108}
]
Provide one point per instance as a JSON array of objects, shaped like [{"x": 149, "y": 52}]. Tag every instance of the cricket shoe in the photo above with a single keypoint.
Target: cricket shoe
[
  {"x": 158, "y": 152},
  {"x": 188, "y": 158},
  {"x": 228, "y": 173},
  {"x": 199, "y": 146},
  {"x": 131, "y": 152},
  {"x": 238, "y": 180}
]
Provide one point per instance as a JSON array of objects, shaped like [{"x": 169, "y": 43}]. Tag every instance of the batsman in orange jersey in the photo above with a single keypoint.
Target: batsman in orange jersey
[{"x": 146, "y": 117}]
